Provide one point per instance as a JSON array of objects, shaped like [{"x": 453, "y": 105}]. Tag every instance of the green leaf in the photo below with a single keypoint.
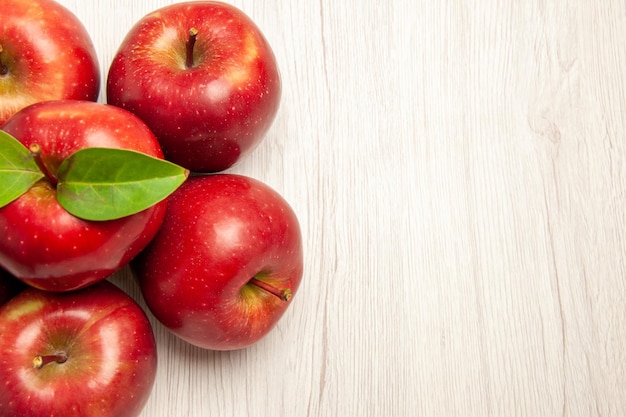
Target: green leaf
[
  {"x": 18, "y": 169},
  {"x": 107, "y": 184}
]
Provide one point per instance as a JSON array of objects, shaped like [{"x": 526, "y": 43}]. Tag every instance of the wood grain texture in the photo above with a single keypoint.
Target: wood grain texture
[{"x": 459, "y": 171}]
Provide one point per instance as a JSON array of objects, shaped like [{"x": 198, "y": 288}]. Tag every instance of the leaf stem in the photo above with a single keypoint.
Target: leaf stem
[
  {"x": 193, "y": 33},
  {"x": 284, "y": 294},
  {"x": 35, "y": 152}
]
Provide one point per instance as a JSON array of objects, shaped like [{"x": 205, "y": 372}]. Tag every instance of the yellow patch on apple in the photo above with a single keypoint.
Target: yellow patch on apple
[
  {"x": 239, "y": 73},
  {"x": 25, "y": 309}
]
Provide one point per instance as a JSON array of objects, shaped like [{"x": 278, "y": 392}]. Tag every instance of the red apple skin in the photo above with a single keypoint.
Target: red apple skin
[
  {"x": 46, "y": 54},
  {"x": 40, "y": 242},
  {"x": 9, "y": 286},
  {"x": 111, "y": 354},
  {"x": 210, "y": 116},
  {"x": 220, "y": 231}
]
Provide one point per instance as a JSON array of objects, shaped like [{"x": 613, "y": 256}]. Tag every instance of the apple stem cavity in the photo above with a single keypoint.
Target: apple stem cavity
[
  {"x": 4, "y": 70},
  {"x": 191, "y": 42},
  {"x": 35, "y": 151},
  {"x": 284, "y": 295},
  {"x": 40, "y": 361}
]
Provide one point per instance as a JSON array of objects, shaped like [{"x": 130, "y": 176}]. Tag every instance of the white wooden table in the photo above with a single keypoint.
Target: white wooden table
[{"x": 459, "y": 170}]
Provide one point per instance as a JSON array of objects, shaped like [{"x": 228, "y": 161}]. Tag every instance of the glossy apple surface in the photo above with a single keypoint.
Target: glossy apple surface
[
  {"x": 40, "y": 242},
  {"x": 86, "y": 353},
  {"x": 208, "y": 108},
  {"x": 45, "y": 54},
  {"x": 220, "y": 231}
]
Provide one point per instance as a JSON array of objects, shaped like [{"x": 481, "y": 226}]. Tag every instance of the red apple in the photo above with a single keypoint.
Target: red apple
[
  {"x": 45, "y": 54},
  {"x": 222, "y": 269},
  {"x": 203, "y": 77},
  {"x": 9, "y": 286},
  {"x": 40, "y": 242},
  {"x": 86, "y": 353}
]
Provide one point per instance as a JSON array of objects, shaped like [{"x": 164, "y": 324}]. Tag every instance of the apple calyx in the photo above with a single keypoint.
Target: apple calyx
[
  {"x": 40, "y": 361},
  {"x": 35, "y": 152},
  {"x": 284, "y": 294},
  {"x": 191, "y": 42}
]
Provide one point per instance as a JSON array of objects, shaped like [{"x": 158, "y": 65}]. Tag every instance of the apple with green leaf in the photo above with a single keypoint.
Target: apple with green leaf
[
  {"x": 203, "y": 77},
  {"x": 45, "y": 54},
  {"x": 84, "y": 353},
  {"x": 85, "y": 192},
  {"x": 224, "y": 266}
]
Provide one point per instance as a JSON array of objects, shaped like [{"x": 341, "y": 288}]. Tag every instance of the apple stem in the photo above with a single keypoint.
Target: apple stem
[
  {"x": 284, "y": 295},
  {"x": 40, "y": 361},
  {"x": 193, "y": 34},
  {"x": 35, "y": 151}
]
